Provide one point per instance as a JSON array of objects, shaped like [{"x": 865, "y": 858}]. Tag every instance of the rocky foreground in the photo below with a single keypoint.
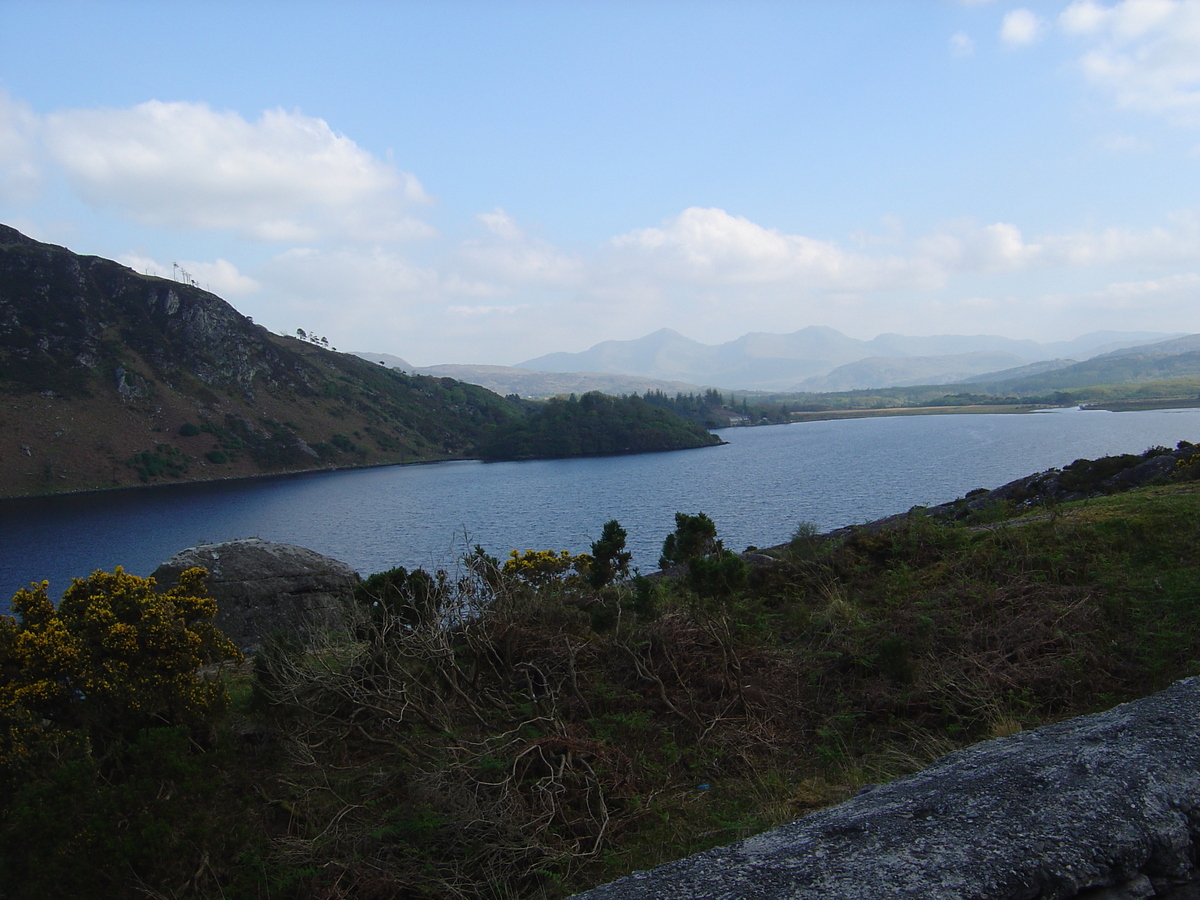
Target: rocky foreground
[{"x": 1105, "y": 807}]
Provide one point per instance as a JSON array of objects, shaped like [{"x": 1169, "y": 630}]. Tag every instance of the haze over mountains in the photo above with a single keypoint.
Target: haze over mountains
[
  {"x": 813, "y": 359},
  {"x": 823, "y": 359}
]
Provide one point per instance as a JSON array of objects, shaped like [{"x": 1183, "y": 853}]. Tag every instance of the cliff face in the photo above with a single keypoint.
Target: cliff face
[
  {"x": 65, "y": 315},
  {"x": 101, "y": 368}
]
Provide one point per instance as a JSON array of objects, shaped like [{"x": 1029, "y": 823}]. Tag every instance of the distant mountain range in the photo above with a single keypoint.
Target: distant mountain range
[
  {"x": 813, "y": 359},
  {"x": 1159, "y": 361},
  {"x": 823, "y": 359}
]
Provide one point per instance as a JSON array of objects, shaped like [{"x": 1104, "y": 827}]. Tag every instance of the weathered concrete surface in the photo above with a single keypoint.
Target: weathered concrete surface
[
  {"x": 263, "y": 587},
  {"x": 1104, "y": 807}
]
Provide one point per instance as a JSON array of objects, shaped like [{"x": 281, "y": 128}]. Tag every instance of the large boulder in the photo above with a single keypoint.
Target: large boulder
[
  {"x": 1104, "y": 807},
  {"x": 262, "y": 587}
]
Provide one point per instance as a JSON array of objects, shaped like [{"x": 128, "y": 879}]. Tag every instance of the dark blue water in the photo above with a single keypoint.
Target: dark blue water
[{"x": 757, "y": 489}]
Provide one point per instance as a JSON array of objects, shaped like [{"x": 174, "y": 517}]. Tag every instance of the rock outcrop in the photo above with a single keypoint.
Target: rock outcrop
[
  {"x": 1103, "y": 807},
  {"x": 262, "y": 587}
]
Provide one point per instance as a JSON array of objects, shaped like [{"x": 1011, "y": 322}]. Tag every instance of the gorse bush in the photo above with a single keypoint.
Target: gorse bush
[
  {"x": 103, "y": 719},
  {"x": 539, "y": 568},
  {"x": 113, "y": 658}
]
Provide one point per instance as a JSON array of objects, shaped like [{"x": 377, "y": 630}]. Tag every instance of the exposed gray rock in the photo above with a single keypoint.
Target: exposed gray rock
[
  {"x": 1103, "y": 806},
  {"x": 262, "y": 587},
  {"x": 130, "y": 385}
]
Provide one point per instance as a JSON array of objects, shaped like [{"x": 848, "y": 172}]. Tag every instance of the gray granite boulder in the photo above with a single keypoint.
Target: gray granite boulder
[
  {"x": 263, "y": 587},
  {"x": 1104, "y": 807}
]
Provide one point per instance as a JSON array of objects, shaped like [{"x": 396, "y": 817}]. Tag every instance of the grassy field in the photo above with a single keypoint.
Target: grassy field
[{"x": 564, "y": 734}]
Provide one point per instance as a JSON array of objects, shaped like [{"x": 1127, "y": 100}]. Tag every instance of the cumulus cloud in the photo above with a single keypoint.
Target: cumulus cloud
[
  {"x": 221, "y": 277},
  {"x": 971, "y": 248},
  {"x": 20, "y": 174},
  {"x": 714, "y": 247},
  {"x": 501, "y": 224},
  {"x": 1145, "y": 53},
  {"x": 284, "y": 177},
  {"x": 1021, "y": 27}
]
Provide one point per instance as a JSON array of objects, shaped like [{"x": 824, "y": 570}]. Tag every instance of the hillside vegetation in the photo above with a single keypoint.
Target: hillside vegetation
[
  {"x": 527, "y": 729},
  {"x": 109, "y": 378}
]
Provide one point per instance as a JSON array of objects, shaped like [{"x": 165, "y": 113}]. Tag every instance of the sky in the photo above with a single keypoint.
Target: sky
[{"x": 486, "y": 182}]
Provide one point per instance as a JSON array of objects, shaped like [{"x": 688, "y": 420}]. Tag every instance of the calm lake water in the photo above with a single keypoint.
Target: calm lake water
[{"x": 757, "y": 489}]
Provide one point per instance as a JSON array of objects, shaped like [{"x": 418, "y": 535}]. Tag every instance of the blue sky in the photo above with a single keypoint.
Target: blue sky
[{"x": 485, "y": 182}]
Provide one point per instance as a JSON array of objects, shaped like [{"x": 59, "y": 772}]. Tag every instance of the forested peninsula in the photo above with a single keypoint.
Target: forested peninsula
[{"x": 595, "y": 425}]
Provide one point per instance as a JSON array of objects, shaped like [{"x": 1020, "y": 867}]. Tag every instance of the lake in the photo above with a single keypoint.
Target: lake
[{"x": 757, "y": 489}]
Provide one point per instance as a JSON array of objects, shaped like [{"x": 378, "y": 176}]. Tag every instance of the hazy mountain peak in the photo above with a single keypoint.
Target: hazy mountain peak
[{"x": 802, "y": 358}]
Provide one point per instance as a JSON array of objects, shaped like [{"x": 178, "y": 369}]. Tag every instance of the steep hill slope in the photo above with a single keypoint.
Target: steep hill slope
[{"x": 111, "y": 378}]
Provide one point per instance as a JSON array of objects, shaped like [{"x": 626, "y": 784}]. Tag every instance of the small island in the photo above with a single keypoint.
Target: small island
[{"x": 594, "y": 425}]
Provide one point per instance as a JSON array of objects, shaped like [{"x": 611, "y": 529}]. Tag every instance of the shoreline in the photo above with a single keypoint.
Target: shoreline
[
  {"x": 796, "y": 417},
  {"x": 226, "y": 479},
  {"x": 292, "y": 473},
  {"x": 975, "y": 409},
  {"x": 1136, "y": 405}
]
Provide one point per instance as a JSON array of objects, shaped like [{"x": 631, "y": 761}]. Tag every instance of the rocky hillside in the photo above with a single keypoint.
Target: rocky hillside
[{"x": 112, "y": 378}]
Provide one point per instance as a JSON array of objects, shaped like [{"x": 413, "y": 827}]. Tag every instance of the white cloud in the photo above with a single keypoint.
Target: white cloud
[
  {"x": 220, "y": 277},
  {"x": 284, "y": 177},
  {"x": 966, "y": 247},
  {"x": 20, "y": 174},
  {"x": 961, "y": 44},
  {"x": 1145, "y": 53},
  {"x": 1172, "y": 291},
  {"x": 1021, "y": 27},
  {"x": 714, "y": 247},
  {"x": 511, "y": 258},
  {"x": 998, "y": 248},
  {"x": 501, "y": 224}
]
